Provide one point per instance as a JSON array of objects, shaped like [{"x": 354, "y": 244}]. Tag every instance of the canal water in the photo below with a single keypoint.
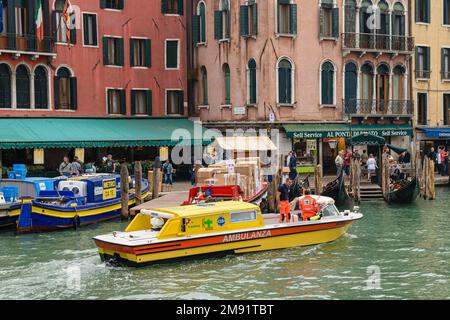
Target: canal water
[{"x": 396, "y": 252}]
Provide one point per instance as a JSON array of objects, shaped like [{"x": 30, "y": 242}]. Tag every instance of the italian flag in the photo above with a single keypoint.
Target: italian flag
[{"x": 39, "y": 21}]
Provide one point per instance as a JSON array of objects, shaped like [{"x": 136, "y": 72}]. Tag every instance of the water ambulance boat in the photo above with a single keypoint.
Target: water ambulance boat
[
  {"x": 220, "y": 228},
  {"x": 77, "y": 202}
]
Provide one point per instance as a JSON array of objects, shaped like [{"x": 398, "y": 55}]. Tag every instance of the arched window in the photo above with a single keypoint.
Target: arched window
[
  {"x": 201, "y": 11},
  {"x": 5, "y": 86},
  {"x": 65, "y": 88},
  {"x": 398, "y": 89},
  {"x": 285, "y": 82},
  {"x": 366, "y": 88},
  {"x": 40, "y": 88},
  {"x": 205, "y": 86},
  {"x": 382, "y": 88},
  {"x": 351, "y": 85},
  {"x": 226, "y": 73},
  {"x": 366, "y": 30},
  {"x": 23, "y": 87},
  {"x": 398, "y": 27},
  {"x": 350, "y": 16},
  {"x": 251, "y": 78},
  {"x": 327, "y": 83},
  {"x": 385, "y": 26}
]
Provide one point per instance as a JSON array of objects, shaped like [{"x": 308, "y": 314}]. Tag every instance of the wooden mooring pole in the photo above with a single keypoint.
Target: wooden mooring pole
[
  {"x": 318, "y": 184},
  {"x": 138, "y": 182},
  {"x": 355, "y": 181},
  {"x": 124, "y": 189},
  {"x": 156, "y": 170}
]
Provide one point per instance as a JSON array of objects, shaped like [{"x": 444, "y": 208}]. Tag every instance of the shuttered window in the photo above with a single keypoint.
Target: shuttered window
[
  {"x": 65, "y": 90},
  {"x": 249, "y": 19},
  {"x": 175, "y": 102},
  {"x": 286, "y": 17},
  {"x": 5, "y": 86},
  {"x": 422, "y": 65},
  {"x": 90, "y": 29},
  {"x": 285, "y": 82},
  {"x": 116, "y": 102},
  {"x": 112, "y": 4},
  {"x": 172, "y": 54},
  {"x": 199, "y": 24},
  {"x": 422, "y": 106},
  {"x": 422, "y": 11},
  {"x": 172, "y": 7},
  {"x": 329, "y": 20},
  {"x": 140, "y": 52},
  {"x": 113, "y": 51},
  {"x": 445, "y": 63},
  {"x": 205, "y": 86},
  {"x": 446, "y": 14},
  {"x": 222, "y": 21},
  {"x": 446, "y": 104},
  {"x": 141, "y": 102},
  {"x": 327, "y": 83}
]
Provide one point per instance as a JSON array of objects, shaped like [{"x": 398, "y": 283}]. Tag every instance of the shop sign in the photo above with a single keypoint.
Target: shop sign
[
  {"x": 239, "y": 111},
  {"x": 347, "y": 134}
]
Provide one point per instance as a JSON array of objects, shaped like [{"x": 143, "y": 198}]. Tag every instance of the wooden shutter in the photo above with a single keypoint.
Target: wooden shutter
[
  {"x": 446, "y": 12},
  {"x": 196, "y": 29},
  {"x": 73, "y": 93},
  {"x": 164, "y": 7},
  {"x": 289, "y": 85},
  {"x": 133, "y": 102},
  {"x": 148, "y": 53},
  {"x": 121, "y": 52},
  {"x": 443, "y": 71},
  {"x": 293, "y": 19},
  {"x": 102, "y": 4},
  {"x": 255, "y": 19},
  {"x": 180, "y": 7},
  {"x": 181, "y": 102},
  {"x": 218, "y": 25},
  {"x": 335, "y": 22},
  {"x": 417, "y": 65},
  {"x": 86, "y": 29},
  {"x": 121, "y": 4},
  {"x": 282, "y": 85},
  {"x": 108, "y": 100},
  {"x": 427, "y": 59},
  {"x": 149, "y": 103},
  {"x": 428, "y": 15},
  {"x": 105, "y": 51},
  {"x": 244, "y": 21},
  {"x": 416, "y": 13},
  {"x": 123, "y": 102},
  {"x": 56, "y": 92},
  {"x": 321, "y": 22},
  {"x": 132, "y": 43}
]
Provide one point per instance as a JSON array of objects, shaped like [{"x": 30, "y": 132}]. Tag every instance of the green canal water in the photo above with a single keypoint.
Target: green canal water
[{"x": 407, "y": 246}]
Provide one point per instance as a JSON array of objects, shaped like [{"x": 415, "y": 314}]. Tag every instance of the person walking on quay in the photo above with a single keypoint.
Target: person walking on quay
[
  {"x": 65, "y": 168},
  {"x": 293, "y": 166},
  {"x": 347, "y": 162},
  {"x": 283, "y": 200},
  {"x": 168, "y": 172},
  {"x": 339, "y": 161},
  {"x": 77, "y": 167},
  {"x": 371, "y": 167},
  {"x": 110, "y": 164},
  {"x": 364, "y": 158},
  {"x": 441, "y": 161}
]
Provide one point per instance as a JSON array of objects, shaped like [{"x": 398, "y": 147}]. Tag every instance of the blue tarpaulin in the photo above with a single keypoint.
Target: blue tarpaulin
[{"x": 437, "y": 132}]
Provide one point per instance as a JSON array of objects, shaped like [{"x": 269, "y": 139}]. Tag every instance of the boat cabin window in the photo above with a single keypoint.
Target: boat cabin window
[
  {"x": 242, "y": 216},
  {"x": 330, "y": 210}
]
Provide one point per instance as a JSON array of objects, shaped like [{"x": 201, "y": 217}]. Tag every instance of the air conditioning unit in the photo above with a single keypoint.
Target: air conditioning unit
[{"x": 79, "y": 188}]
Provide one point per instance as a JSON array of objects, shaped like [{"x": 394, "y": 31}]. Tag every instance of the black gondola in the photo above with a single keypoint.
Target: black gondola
[
  {"x": 336, "y": 190},
  {"x": 298, "y": 186},
  {"x": 407, "y": 192}
]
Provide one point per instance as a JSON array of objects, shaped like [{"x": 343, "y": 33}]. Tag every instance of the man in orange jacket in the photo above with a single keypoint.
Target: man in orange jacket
[
  {"x": 308, "y": 206},
  {"x": 283, "y": 200}
]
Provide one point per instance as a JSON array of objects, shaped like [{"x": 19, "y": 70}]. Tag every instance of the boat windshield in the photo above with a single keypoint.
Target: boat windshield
[{"x": 330, "y": 210}]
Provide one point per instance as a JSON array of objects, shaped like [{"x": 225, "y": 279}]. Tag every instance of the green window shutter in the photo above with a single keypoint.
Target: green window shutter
[
  {"x": 102, "y": 4},
  {"x": 446, "y": 12},
  {"x": 416, "y": 64},
  {"x": 293, "y": 19},
  {"x": 428, "y": 15},
  {"x": 252, "y": 85},
  {"x": 148, "y": 53},
  {"x": 121, "y": 52},
  {"x": 132, "y": 43},
  {"x": 255, "y": 19},
  {"x": 335, "y": 22},
  {"x": 133, "y": 102},
  {"x": 56, "y": 92},
  {"x": 121, "y": 4},
  {"x": 321, "y": 22},
  {"x": 218, "y": 25},
  {"x": 180, "y": 7},
  {"x": 73, "y": 93},
  {"x": 282, "y": 85},
  {"x": 181, "y": 102},
  {"x": 108, "y": 100},
  {"x": 171, "y": 54},
  {"x": 123, "y": 102},
  {"x": 196, "y": 29},
  {"x": 443, "y": 63},
  {"x": 105, "y": 51},
  {"x": 416, "y": 12},
  {"x": 427, "y": 59},
  {"x": 289, "y": 86},
  {"x": 227, "y": 86},
  {"x": 244, "y": 21},
  {"x": 149, "y": 103},
  {"x": 164, "y": 7}
]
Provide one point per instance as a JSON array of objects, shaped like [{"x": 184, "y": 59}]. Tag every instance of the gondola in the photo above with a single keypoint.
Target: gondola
[
  {"x": 406, "y": 191},
  {"x": 336, "y": 190},
  {"x": 298, "y": 186}
]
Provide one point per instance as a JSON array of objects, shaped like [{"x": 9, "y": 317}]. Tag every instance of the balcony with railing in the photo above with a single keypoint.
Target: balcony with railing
[
  {"x": 26, "y": 44},
  {"x": 377, "y": 43},
  {"x": 377, "y": 108}
]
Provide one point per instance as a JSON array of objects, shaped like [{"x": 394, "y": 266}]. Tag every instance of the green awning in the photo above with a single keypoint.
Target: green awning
[
  {"x": 20, "y": 133},
  {"x": 342, "y": 130},
  {"x": 367, "y": 139}
]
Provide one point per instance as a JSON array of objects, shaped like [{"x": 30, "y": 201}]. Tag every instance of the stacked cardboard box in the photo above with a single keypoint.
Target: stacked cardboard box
[{"x": 204, "y": 174}]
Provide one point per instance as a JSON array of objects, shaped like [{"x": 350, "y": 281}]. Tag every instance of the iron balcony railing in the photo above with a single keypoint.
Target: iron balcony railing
[
  {"x": 422, "y": 74},
  {"x": 445, "y": 75},
  {"x": 26, "y": 43},
  {"x": 365, "y": 107},
  {"x": 377, "y": 42}
]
